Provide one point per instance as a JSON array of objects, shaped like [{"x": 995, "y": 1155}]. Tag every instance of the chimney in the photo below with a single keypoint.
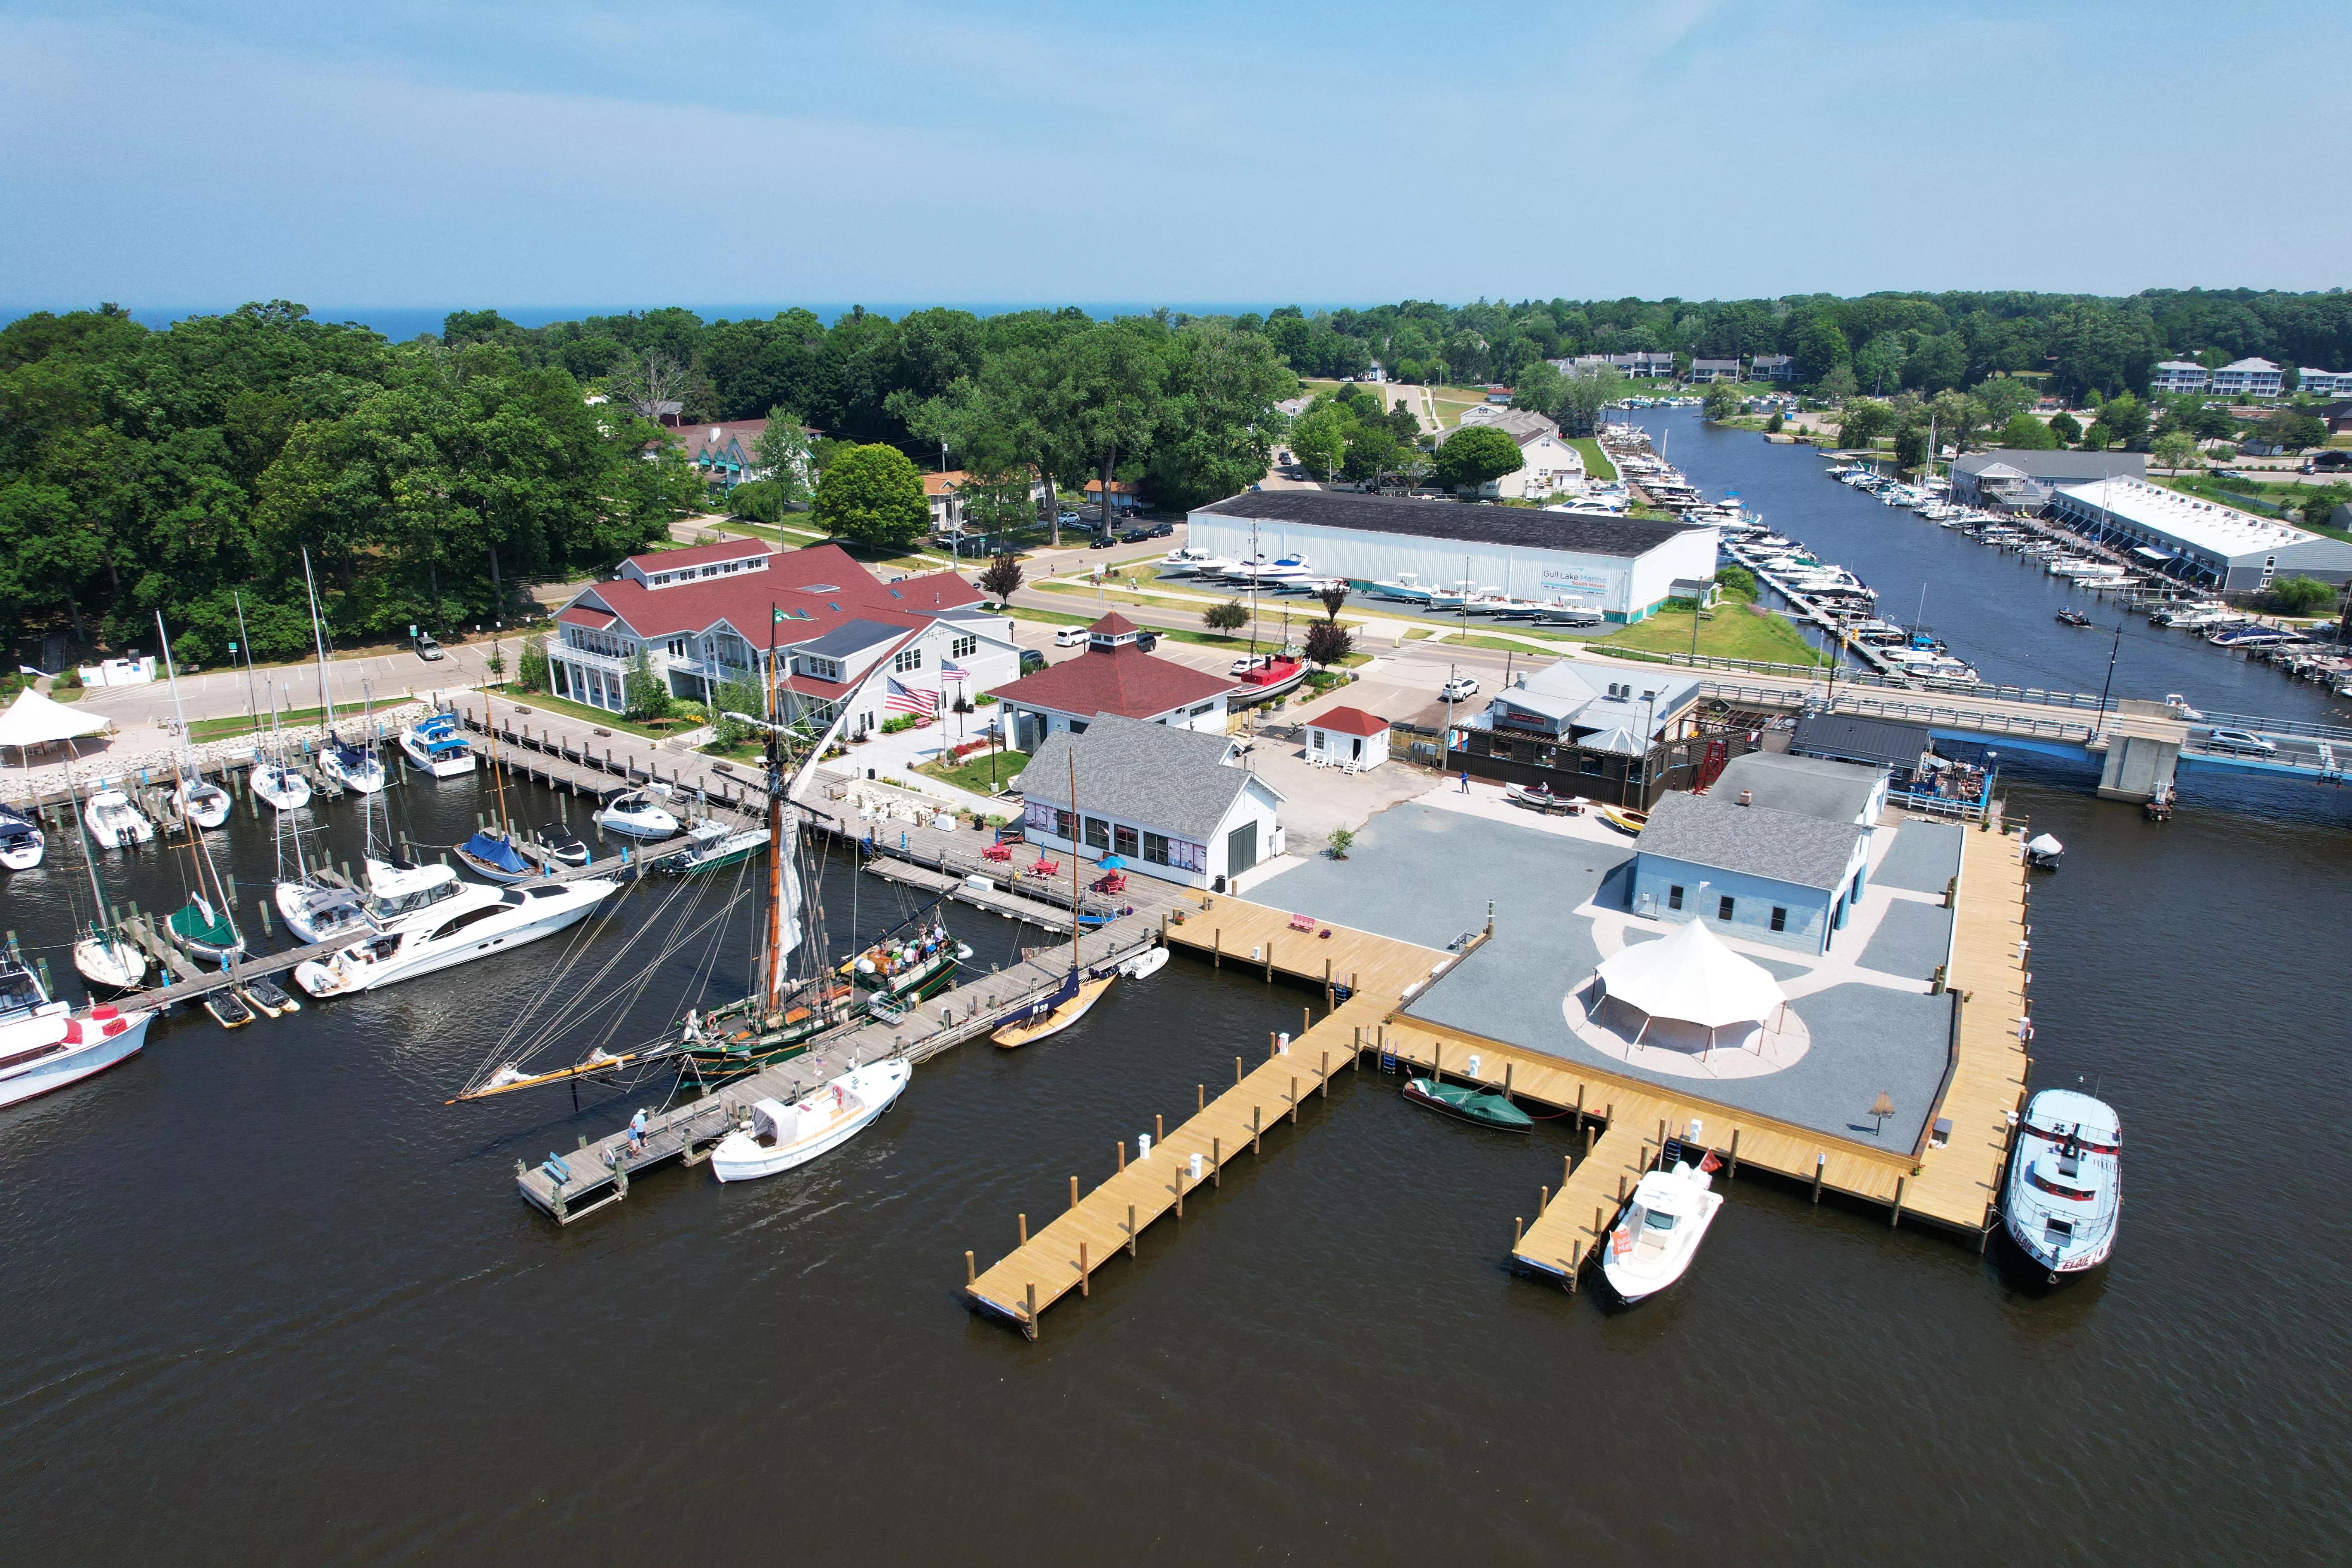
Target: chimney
[{"x": 1746, "y": 797}]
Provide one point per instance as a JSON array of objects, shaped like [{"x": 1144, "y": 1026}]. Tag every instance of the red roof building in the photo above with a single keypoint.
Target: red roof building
[
  {"x": 708, "y": 615},
  {"x": 1114, "y": 674},
  {"x": 1347, "y": 738}
]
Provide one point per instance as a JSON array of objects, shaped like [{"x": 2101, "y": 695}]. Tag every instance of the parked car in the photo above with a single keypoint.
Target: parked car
[
  {"x": 1068, "y": 518},
  {"x": 1070, "y": 637},
  {"x": 428, "y": 650},
  {"x": 1459, "y": 688},
  {"x": 1032, "y": 660},
  {"x": 1159, "y": 530},
  {"x": 2239, "y": 742},
  {"x": 1102, "y": 542},
  {"x": 1147, "y": 641}
]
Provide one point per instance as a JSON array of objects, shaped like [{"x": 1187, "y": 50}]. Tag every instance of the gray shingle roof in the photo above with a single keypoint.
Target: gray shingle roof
[
  {"x": 1806, "y": 786},
  {"x": 1889, "y": 742},
  {"x": 850, "y": 637},
  {"x": 1150, "y": 775},
  {"x": 1524, "y": 527},
  {"x": 1710, "y": 830}
]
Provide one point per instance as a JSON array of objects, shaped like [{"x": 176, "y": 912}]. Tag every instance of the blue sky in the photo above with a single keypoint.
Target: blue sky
[{"x": 429, "y": 154}]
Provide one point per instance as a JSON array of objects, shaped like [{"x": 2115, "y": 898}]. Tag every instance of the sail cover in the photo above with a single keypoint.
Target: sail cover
[{"x": 496, "y": 851}]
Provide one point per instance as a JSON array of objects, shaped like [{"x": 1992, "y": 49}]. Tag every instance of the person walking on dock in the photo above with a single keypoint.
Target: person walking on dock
[
  {"x": 637, "y": 1131},
  {"x": 1466, "y": 783}
]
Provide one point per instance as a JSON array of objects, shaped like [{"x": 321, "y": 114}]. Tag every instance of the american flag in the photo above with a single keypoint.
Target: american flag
[
  {"x": 905, "y": 699},
  {"x": 950, "y": 671}
]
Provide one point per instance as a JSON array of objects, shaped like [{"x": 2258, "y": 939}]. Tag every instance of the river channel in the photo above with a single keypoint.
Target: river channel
[{"x": 270, "y": 1299}]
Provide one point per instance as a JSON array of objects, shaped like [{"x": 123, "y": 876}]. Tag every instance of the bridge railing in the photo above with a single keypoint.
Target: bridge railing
[
  {"x": 1987, "y": 720},
  {"x": 2262, "y": 726},
  {"x": 1819, "y": 675}
]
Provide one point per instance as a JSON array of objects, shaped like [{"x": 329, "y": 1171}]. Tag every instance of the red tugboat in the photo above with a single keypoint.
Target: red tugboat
[{"x": 1265, "y": 678}]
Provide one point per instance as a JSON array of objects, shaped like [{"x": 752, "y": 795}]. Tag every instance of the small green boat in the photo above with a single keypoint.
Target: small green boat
[{"x": 1484, "y": 1106}]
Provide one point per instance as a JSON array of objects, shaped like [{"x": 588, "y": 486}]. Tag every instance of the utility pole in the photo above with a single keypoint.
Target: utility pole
[{"x": 2113, "y": 651}]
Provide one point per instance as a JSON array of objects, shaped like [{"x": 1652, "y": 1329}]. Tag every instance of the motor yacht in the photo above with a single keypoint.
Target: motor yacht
[
  {"x": 21, "y": 844},
  {"x": 1653, "y": 1245},
  {"x": 44, "y": 1044},
  {"x": 113, "y": 821},
  {"x": 473, "y": 924},
  {"x": 639, "y": 813},
  {"x": 433, "y": 744},
  {"x": 2065, "y": 1181}
]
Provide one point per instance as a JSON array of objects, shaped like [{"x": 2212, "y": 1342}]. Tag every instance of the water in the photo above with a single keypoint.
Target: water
[{"x": 268, "y": 1298}]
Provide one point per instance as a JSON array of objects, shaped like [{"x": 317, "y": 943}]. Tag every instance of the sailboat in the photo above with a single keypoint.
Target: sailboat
[
  {"x": 1068, "y": 1002},
  {"x": 206, "y": 924},
  {"x": 355, "y": 767},
  {"x": 273, "y": 779},
  {"x": 21, "y": 843},
  {"x": 101, "y": 955},
  {"x": 200, "y": 800},
  {"x": 490, "y": 854}
]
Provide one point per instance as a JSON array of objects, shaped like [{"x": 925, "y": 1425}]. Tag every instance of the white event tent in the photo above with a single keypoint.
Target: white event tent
[
  {"x": 1690, "y": 975},
  {"x": 33, "y": 719}
]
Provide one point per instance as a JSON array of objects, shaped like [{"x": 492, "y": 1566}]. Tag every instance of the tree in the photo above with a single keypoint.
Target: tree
[
  {"x": 644, "y": 694},
  {"x": 1819, "y": 347},
  {"x": 1737, "y": 580},
  {"x": 648, "y": 383},
  {"x": 2025, "y": 433},
  {"x": 1861, "y": 422},
  {"x": 2176, "y": 450},
  {"x": 2300, "y": 596},
  {"x": 1371, "y": 453},
  {"x": 2067, "y": 427},
  {"x": 873, "y": 494},
  {"x": 762, "y": 501},
  {"x": 1721, "y": 403},
  {"x": 1838, "y": 384},
  {"x": 1539, "y": 387},
  {"x": 1332, "y": 597},
  {"x": 1878, "y": 364},
  {"x": 2319, "y": 503},
  {"x": 2123, "y": 421},
  {"x": 736, "y": 697},
  {"x": 1319, "y": 438},
  {"x": 2292, "y": 431},
  {"x": 1584, "y": 397},
  {"x": 1112, "y": 399},
  {"x": 1328, "y": 642},
  {"x": 783, "y": 449},
  {"x": 1228, "y": 616},
  {"x": 1002, "y": 577},
  {"x": 1471, "y": 458},
  {"x": 1911, "y": 445},
  {"x": 530, "y": 668}
]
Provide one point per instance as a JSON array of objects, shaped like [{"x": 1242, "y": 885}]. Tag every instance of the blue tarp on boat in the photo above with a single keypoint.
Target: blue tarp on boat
[{"x": 495, "y": 851}]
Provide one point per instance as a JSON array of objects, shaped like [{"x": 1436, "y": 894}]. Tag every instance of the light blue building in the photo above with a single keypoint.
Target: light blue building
[{"x": 1778, "y": 850}]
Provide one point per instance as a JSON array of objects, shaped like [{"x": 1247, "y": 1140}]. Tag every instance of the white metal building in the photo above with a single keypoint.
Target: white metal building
[
  {"x": 2200, "y": 541},
  {"x": 1623, "y": 567}
]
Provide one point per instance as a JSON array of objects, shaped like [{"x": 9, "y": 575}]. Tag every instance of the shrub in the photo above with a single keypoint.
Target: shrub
[
  {"x": 1228, "y": 616},
  {"x": 1328, "y": 642},
  {"x": 896, "y": 722},
  {"x": 985, "y": 700},
  {"x": 531, "y": 668},
  {"x": 2299, "y": 595},
  {"x": 1342, "y": 840}
]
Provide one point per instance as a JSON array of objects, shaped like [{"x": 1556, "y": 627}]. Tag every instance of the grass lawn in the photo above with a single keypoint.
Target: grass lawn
[
  {"x": 981, "y": 774},
  {"x": 215, "y": 729},
  {"x": 1209, "y": 639},
  {"x": 660, "y": 730},
  {"x": 1597, "y": 465},
  {"x": 1498, "y": 644},
  {"x": 735, "y": 751},
  {"x": 1732, "y": 631}
]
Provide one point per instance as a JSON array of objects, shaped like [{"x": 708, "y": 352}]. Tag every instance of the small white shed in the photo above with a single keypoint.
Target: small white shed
[{"x": 1347, "y": 737}]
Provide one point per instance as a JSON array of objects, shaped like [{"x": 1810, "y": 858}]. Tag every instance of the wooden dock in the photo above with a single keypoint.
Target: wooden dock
[{"x": 1950, "y": 1177}]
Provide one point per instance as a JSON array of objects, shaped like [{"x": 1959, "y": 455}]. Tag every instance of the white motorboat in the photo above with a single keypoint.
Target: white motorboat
[
  {"x": 1144, "y": 964},
  {"x": 433, "y": 744},
  {"x": 473, "y": 924},
  {"x": 21, "y": 843},
  {"x": 639, "y": 813},
  {"x": 782, "y": 1136},
  {"x": 356, "y": 768},
  {"x": 44, "y": 1045},
  {"x": 1404, "y": 588},
  {"x": 715, "y": 847},
  {"x": 1653, "y": 1244},
  {"x": 2066, "y": 1188},
  {"x": 113, "y": 821},
  {"x": 280, "y": 785},
  {"x": 1192, "y": 563}
]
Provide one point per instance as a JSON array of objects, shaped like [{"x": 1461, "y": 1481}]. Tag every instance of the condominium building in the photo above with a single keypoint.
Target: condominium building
[
  {"x": 2247, "y": 378},
  {"x": 2179, "y": 376}
]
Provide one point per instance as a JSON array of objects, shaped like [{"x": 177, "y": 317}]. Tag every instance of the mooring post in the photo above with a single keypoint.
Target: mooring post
[
  {"x": 1575, "y": 1263},
  {"x": 1269, "y": 961},
  {"x": 1203, "y": 1089},
  {"x": 1257, "y": 1130},
  {"x": 1025, "y": 1230},
  {"x": 1543, "y": 1200},
  {"x": 1082, "y": 1282},
  {"x": 1731, "y": 1173},
  {"x": 1073, "y": 1191},
  {"x": 1327, "y": 985},
  {"x": 1122, "y": 1154},
  {"x": 1237, "y": 1072},
  {"x": 1566, "y": 1168},
  {"x": 1597, "y": 1231},
  {"x": 1327, "y": 1075},
  {"x": 1507, "y": 1080},
  {"x": 1895, "y": 1215},
  {"x": 1130, "y": 1230},
  {"x": 1217, "y": 949},
  {"x": 1821, "y": 1164},
  {"x": 1294, "y": 1100},
  {"x": 970, "y": 1271},
  {"x": 1030, "y": 1327},
  {"x": 1217, "y": 1161}
]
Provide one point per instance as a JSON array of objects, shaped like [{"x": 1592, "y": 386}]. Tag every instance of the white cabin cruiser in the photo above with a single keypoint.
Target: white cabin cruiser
[
  {"x": 21, "y": 844},
  {"x": 113, "y": 821},
  {"x": 433, "y": 744},
  {"x": 2065, "y": 1181},
  {"x": 1653, "y": 1244},
  {"x": 782, "y": 1136},
  {"x": 474, "y": 923},
  {"x": 44, "y": 1045},
  {"x": 639, "y": 813}
]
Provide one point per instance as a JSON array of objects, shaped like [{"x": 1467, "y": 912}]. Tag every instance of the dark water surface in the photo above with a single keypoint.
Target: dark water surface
[{"x": 268, "y": 1300}]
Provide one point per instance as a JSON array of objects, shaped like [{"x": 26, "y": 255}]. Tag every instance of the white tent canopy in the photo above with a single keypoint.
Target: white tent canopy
[
  {"x": 34, "y": 721},
  {"x": 1690, "y": 975}
]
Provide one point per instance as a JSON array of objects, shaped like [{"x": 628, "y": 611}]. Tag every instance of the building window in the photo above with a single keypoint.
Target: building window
[
  {"x": 1315, "y": 738},
  {"x": 1097, "y": 833},
  {"x": 1062, "y": 825},
  {"x": 908, "y": 658},
  {"x": 1674, "y": 896},
  {"x": 1591, "y": 766},
  {"x": 1779, "y": 917},
  {"x": 560, "y": 674},
  {"x": 677, "y": 647},
  {"x": 1123, "y": 841},
  {"x": 1723, "y": 910},
  {"x": 964, "y": 648},
  {"x": 1155, "y": 849}
]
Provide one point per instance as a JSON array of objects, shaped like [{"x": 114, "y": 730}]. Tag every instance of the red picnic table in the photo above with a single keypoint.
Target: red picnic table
[
  {"x": 1045, "y": 867},
  {"x": 996, "y": 852}
]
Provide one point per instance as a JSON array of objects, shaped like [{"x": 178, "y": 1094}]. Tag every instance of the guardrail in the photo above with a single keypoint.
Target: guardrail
[
  {"x": 1819, "y": 675},
  {"x": 1988, "y": 721},
  {"x": 2262, "y": 726}
]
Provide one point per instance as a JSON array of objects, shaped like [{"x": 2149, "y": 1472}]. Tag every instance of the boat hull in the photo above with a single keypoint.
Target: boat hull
[
  {"x": 22, "y": 856},
  {"x": 1014, "y": 1035},
  {"x": 1474, "y": 1109},
  {"x": 740, "y": 1158},
  {"x": 450, "y": 765},
  {"x": 29, "y": 1079},
  {"x": 325, "y": 979},
  {"x": 282, "y": 788},
  {"x": 111, "y": 962}
]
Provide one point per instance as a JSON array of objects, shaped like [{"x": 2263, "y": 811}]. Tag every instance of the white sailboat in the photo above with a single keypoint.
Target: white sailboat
[
  {"x": 1068, "y": 1002},
  {"x": 200, "y": 800},
  {"x": 778, "y": 1137},
  {"x": 21, "y": 842},
  {"x": 103, "y": 957},
  {"x": 355, "y": 767}
]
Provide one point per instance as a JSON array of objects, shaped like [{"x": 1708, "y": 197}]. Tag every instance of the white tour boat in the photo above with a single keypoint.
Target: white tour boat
[
  {"x": 474, "y": 923},
  {"x": 111, "y": 819},
  {"x": 44, "y": 1045},
  {"x": 2065, "y": 1181},
  {"x": 782, "y": 1136},
  {"x": 1653, "y": 1244}
]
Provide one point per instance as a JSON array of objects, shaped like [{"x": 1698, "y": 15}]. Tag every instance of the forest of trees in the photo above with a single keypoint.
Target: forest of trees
[{"x": 144, "y": 471}]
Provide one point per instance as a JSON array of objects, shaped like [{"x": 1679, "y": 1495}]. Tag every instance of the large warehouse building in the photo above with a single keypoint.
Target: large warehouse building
[
  {"x": 2198, "y": 541},
  {"x": 1623, "y": 567}
]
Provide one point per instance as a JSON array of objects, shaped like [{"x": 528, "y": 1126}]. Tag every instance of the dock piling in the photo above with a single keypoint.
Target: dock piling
[
  {"x": 1507, "y": 1080},
  {"x": 1294, "y": 1100},
  {"x": 1158, "y": 1129},
  {"x": 1025, "y": 1230},
  {"x": 1895, "y": 1215},
  {"x": 1203, "y": 1091},
  {"x": 1519, "y": 1230},
  {"x": 1217, "y": 1161},
  {"x": 1575, "y": 1263},
  {"x": 1130, "y": 1230},
  {"x": 1327, "y": 1075},
  {"x": 1543, "y": 1200},
  {"x": 1237, "y": 1072},
  {"x": 1029, "y": 1325},
  {"x": 1083, "y": 1280},
  {"x": 1073, "y": 1191},
  {"x": 1567, "y": 1169},
  {"x": 1122, "y": 1154},
  {"x": 1579, "y": 1118},
  {"x": 1731, "y": 1173},
  {"x": 1820, "y": 1164},
  {"x": 1257, "y": 1130}
]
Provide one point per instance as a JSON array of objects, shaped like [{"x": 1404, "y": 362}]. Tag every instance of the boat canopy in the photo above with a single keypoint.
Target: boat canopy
[
  {"x": 1690, "y": 974},
  {"x": 33, "y": 719},
  {"x": 496, "y": 851},
  {"x": 197, "y": 923},
  {"x": 2045, "y": 845},
  {"x": 352, "y": 759}
]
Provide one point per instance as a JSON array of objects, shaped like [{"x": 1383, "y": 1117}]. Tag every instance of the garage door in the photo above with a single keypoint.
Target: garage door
[{"x": 1241, "y": 850}]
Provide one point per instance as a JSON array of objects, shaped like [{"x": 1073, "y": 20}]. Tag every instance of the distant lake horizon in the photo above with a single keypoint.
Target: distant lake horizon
[{"x": 403, "y": 323}]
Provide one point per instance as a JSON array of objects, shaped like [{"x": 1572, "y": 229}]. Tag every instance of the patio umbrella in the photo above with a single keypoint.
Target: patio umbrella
[{"x": 1112, "y": 863}]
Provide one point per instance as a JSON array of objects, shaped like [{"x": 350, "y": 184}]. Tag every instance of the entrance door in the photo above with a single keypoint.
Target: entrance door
[{"x": 1241, "y": 850}]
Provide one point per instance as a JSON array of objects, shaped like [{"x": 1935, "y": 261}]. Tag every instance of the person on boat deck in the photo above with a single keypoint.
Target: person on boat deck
[
  {"x": 693, "y": 1025},
  {"x": 637, "y": 1130}
]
